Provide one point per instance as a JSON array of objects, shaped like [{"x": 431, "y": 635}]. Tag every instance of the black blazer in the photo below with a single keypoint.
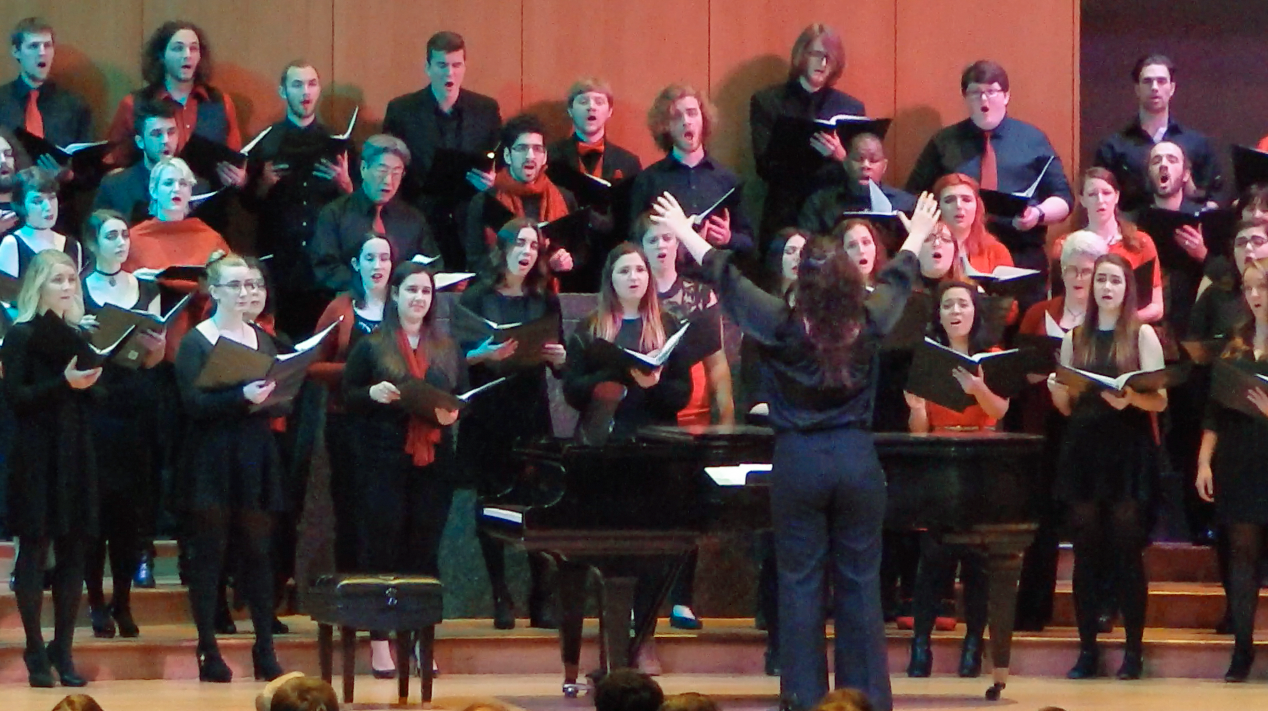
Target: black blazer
[
  {"x": 618, "y": 163},
  {"x": 412, "y": 118}
]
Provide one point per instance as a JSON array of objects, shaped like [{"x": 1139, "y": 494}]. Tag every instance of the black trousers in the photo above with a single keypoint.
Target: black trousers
[
  {"x": 1109, "y": 543},
  {"x": 120, "y": 536},
  {"x": 936, "y": 573},
  {"x": 68, "y": 586},
  {"x": 828, "y": 506}
]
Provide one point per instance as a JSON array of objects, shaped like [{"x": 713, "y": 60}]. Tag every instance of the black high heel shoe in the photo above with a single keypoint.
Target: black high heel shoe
[
  {"x": 123, "y": 621},
  {"x": 921, "y": 664},
  {"x": 102, "y": 626},
  {"x": 503, "y": 612},
  {"x": 1087, "y": 666},
  {"x": 1133, "y": 666},
  {"x": 1239, "y": 667},
  {"x": 39, "y": 672},
  {"x": 212, "y": 667},
  {"x": 264, "y": 659},
  {"x": 61, "y": 661},
  {"x": 971, "y": 657}
]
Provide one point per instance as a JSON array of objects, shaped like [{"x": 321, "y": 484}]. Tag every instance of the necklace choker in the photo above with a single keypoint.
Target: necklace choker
[{"x": 110, "y": 278}]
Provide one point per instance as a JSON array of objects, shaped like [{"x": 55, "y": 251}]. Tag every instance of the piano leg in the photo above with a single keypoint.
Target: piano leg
[
  {"x": 618, "y": 605},
  {"x": 572, "y": 603},
  {"x": 1003, "y": 571}
]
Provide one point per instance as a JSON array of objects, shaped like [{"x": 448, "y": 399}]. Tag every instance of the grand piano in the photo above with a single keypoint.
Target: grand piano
[{"x": 632, "y": 510}]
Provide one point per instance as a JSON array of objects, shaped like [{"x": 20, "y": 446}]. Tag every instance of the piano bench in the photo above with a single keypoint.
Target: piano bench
[{"x": 409, "y": 605}]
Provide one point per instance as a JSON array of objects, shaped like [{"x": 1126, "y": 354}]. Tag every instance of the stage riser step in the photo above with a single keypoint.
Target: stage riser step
[
  {"x": 1032, "y": 656},
  {"x": 1164, "y": 562}
]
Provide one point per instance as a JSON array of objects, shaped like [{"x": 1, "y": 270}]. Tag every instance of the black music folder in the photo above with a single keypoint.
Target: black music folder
[
  {"x": 232, "y": 363},
  {"x": 1012, "y": 205},
  {"x": 53, "y": 337},
  {"x": 422, "y": 399},
  {"x": 176, "y": 272},
  {"x": 880, "y": 211},
  {"x": 449, "y": 167},
  {"x": 113, "y": 321},
  {"x": 203, "y": 155},
  {"x": 1206, "y": 351},
  {"x": 1005, "y": 280},
  {"x": 623, "y": 359},
  {"x": 932, "y": 363},
  {"x": 80, "y": 157},
  {"x": 1143, "y": 381},
  {"x": 301, "y": 153},
  {"x": 589, "y": 190},
  {"x": 1250, "y": 166},
  {"x": 1231, "y": 385},
  {"x": 790, "y": 138},
  {"x": 468, "y": 326}
]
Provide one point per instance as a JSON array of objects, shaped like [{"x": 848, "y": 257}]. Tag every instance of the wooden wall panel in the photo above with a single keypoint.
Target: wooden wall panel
[
  {"x": 98, "y": 47},
  {"x": 1038, "y": 43},
  {"x": 380, "y": 49},
  {"x": 750, "y": 43},
  {"x": 640, "y": 52},
  {"x": 251, "y": 41}
]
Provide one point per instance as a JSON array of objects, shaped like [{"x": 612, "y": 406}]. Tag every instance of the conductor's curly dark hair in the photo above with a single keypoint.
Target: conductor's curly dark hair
[{"x": 829, "y": 297}]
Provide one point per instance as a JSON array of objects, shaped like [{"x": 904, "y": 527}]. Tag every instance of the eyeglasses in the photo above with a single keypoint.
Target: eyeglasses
[
  {"x": 1077, "y": 273},
  {"x": 382, "y": 171},
  {"x": 985, "y": 94},
  {"x": 1255, "y": 241},
  {"x": 524, "y": 148},
  {"x": 251, "y": 285}
]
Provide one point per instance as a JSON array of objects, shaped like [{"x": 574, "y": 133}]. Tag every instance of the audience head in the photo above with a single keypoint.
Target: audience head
[
  {"x": 154, "y": 129},
  {"x": 1252, "y": 203},
  {"x": 818, "y": 57},
  {"x": 372, "y": 263},
  {"x": 859, "y": 240},
  {"x": 865, "y": 160},
  {"x": 1168, "y": 169},
  {"x": 300, "y": 88},
  {"x": 1154, "y": 76},
  {"x": 446, "y": 63},
  {"x": 296, "y": 692},
  {"x": 12, "y": 159},
  {"x": 486, "y": 706},
  {"x": 1250, "y": 243},
  {"x": 984, "y": 85},
  {"x": 232, "y": 283},
  {"x": 628, "y": 690},
  {"x": 35, "y": 197},
  {"x": 844, "y": 700},
  {"x": 33, "y": 47},
  {"x": 77, "y": 702},
  {"x": 1079, "y": 253},
  {"x": 51, "y": 281},
  {"x": 524, "y": 147},
  {"x": 105, "y": 235},
  {"x": 829, "y": 296},
  {"x": 518, "y": 250},
  {"x": 658, "y": 242},
  {"x": 681, "y": 117},
  {"x": 590, "y": 106},
  {"x": 178, "y": 52},
  {"x": 383, "y": 162},
  {"x": 171, "y": 187},
  {"x": 690, "y": 701}
]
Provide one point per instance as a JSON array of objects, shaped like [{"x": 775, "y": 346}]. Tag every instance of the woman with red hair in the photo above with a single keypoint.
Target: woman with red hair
[{"x": 961, "y": 210}]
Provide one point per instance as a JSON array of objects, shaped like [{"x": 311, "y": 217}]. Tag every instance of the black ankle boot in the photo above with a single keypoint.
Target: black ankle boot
[
  {"x": 264, "y": 660},
  {"x": 212, "y": 667},
  {"x": 971, "y": 657},
  {"x": 123, "y": 621},
  {"x": 102, "y": 625},
  {"x": 1088, "y": 664},
  {"x": 1133, "y": 665},
  {"x": 224, "y": 621},
  {"x": 1239, "y": 667},
  {"x": 503, "y": 612},
  {"x": 921, "y": 664},
  {"x": 61, "y": 661},
  {"x": 38, "y": 670}
]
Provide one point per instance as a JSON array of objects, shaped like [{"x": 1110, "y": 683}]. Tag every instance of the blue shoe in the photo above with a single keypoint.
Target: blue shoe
[
  {"x": 684, "y": 619},
  {"x": 144, "y": 577}
]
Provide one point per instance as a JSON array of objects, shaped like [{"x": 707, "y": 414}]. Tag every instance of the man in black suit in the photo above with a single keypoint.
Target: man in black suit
[
  {"x": 589, "y": 151},
  {"x": 818, "y": 59},
  {"x": 36, "y": 103},
  {"x": 444, "y": 116},
  {"x": 865, "y": 164}
]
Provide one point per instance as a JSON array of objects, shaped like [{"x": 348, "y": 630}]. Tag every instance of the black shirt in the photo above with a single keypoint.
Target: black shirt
[
  {"x": 287, "y": 213},
  {"x": 342, "y": 226},
  {"x": 1126, "y": 155},
  {"x": 1021, "y": 150},
  {"x": 127, "y": 192},
  {"x": 696, "y": 189},
  {"x": 825, "y": 208},
  {"x": 66, "y": 117}
]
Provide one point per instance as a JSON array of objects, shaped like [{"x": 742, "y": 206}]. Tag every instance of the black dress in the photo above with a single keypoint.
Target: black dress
[
  {"x": 52, "y": 468},
  {"x": 26, "y": 254},
  {"x": 228, "y": 458},
  {"x": 1107, "y": 455},
  {"x": 1238, "y": 463}
]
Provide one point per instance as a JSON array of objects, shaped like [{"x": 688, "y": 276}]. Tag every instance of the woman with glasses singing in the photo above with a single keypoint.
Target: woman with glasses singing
[{"x": 230, "y": 472}]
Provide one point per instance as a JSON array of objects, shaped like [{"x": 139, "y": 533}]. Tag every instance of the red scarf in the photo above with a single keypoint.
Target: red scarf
[
  {"x": 511, "y": 193},
  {"x": 584, "y": 149},
  {"x": 423, "y": 436}
]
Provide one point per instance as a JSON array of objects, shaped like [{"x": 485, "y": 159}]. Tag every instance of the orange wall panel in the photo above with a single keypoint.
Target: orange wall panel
[
  {"x": 630, "y": 44},
  {"x": 380, "y": 49}
]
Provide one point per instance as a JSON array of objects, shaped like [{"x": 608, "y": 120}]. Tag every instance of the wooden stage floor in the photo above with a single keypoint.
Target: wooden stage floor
[{"x": 735, "y": 693}]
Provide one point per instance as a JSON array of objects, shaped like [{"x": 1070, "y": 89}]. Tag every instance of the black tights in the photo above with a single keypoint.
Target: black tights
[
  {"x": 936, "y": 573},
  {"x": 1109, "y": 544},
  {"x": 208, "y": 538},
  {"x": 68, "y": 586},
  {"x": 119, "y": 529},
  {"x": 494, "y": 553},
  {"x": 1245, "y": 541}
]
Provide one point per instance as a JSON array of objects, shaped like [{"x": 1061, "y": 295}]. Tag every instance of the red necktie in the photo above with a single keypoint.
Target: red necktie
[
  {"x": 378, "y": 220},
  {"x": 34, "y": 121},
  {"x": 990, "y": 173}
]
